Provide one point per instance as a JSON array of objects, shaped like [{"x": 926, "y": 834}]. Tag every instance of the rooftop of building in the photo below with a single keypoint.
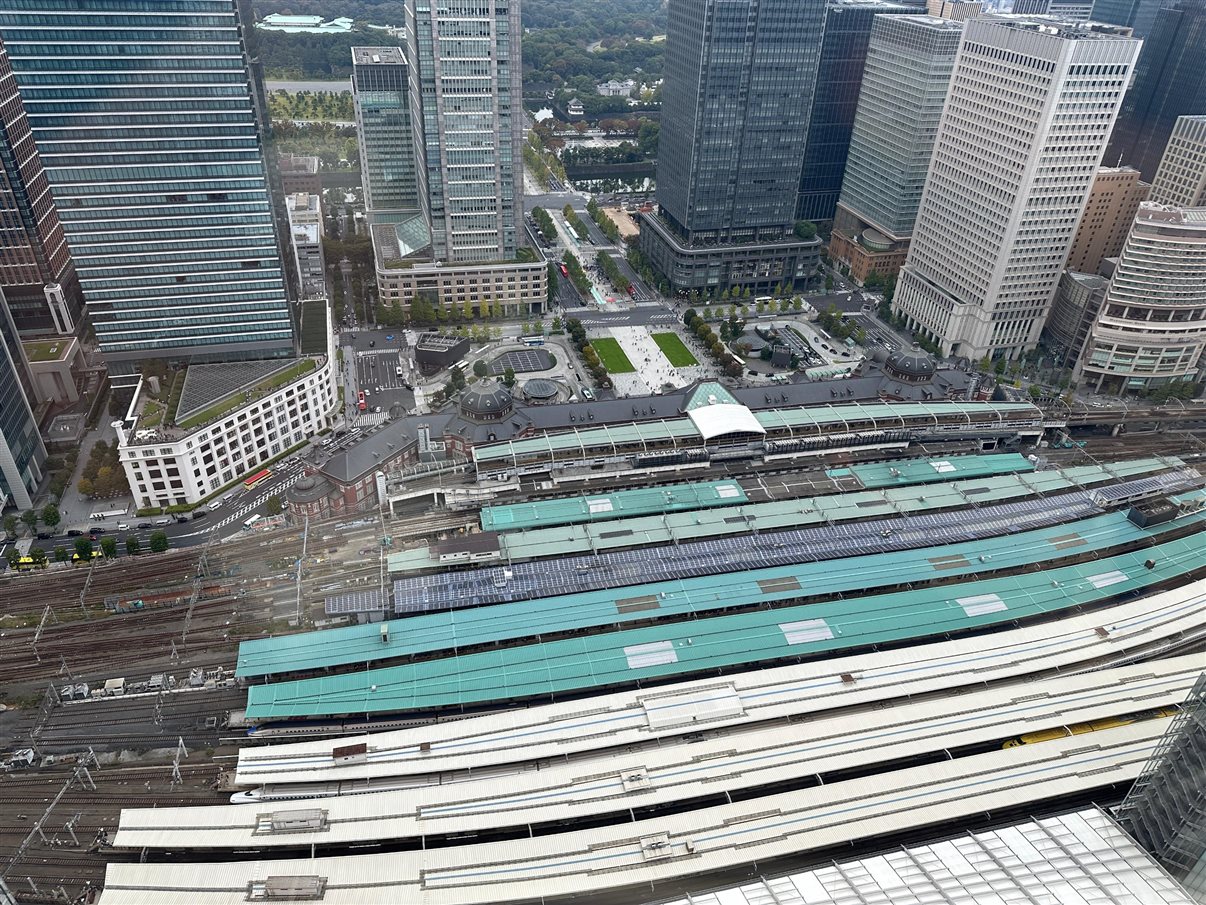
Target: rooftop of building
[
  {"x": 1058, "y": 26},
  {"x": 298, "y": 163},
  {"x": 385, "y": 56},
  {"x": 210, "y": 391},
  {"x": 349, "y": 464},
  {"x": 935, "y": 22},
  {"x": 48, "y": 349},
  {"x": 1169, "y": 215},
  {"x": 402, "y": 244},
  {"x": 436, "y": 341},
  {"x": 302, "y": 201}
]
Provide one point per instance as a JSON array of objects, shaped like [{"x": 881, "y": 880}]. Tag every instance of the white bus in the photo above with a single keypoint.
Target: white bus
[{"x": 250, "y": 523}]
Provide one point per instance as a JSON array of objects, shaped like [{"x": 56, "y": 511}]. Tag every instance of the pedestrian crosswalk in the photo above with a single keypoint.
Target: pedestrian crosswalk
[{"x": 292, "y": 473}]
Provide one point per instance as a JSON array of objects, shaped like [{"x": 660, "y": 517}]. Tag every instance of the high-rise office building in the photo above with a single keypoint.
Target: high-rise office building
[
  {"x": 1029, "y": 110},
  {"x": 835, "y": 100},
  {"x": 381, "y": 93},
  {"x": 739, "y": 81},
  {"x": 22, "y": 453},
  {"x": 1114, "y": 199},
  {"x": 909, "y": 64},
  {"x": 955, "y": 10},
  {"x": 466, "y": 90},
  {"x": 1064, "y": 10},
  {"x": 37, "y": 274},
  {"x": 1139, "y": 15},
  {"x": 148, "y": 123},
  {"x": 1181, "y": 177},
  {"x": 1150, "y": 330},
  {"x": 1170, "y": 81}
]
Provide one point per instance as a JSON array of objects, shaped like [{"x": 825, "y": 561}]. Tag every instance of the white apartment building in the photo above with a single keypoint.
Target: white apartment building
[
  {"x": 305, "y": 236},
  {"x": 1031, "y": 104},
  {"x": 232, "y": 435},
  {"x": 1151, "y": 329}
]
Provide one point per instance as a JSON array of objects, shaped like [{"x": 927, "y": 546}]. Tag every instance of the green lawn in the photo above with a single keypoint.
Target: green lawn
[
  {"x": 47, "y": 350},
  {"x": 672, "y": 347},
  {"x": 611, "y": 355},
  {"x": 237, "y": 398}
]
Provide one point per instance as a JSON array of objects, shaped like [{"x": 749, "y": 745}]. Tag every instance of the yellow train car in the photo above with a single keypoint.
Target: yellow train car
[{"x": 1047, "y": 735}]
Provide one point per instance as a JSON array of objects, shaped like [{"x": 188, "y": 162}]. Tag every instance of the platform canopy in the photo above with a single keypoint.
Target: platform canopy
[{"x": 721, "y": 419}]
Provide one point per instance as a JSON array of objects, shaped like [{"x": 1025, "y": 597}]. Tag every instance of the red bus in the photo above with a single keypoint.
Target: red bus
[
  {"x": 360, "y": 403},
  {"x": 258, "y": 478},
  {"x": 564, "y": 270}
]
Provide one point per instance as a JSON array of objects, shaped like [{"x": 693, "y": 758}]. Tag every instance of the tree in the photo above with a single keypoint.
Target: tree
[
  {"x": 51, "y": 515},
  {"x": 159, "y": 542},
  {"x": 133, "y": 547},
  {"x": 12, "y": 554},
  {"x": 109, "y": 547},
  {"x": 689, "y": 315},
  {"x": 61, "y": 554},
  {"x": 805, "y": 229},
  {"x": 509, "y": 377},
  {"x": 457, "y": 379},
  {"x": 829, "y": 282},
  {"x": 10, "y": 525},
  {"x": 85, "y": 487},
  {"x": 556, "y": 327},
  {"x": 83, "y": 548},
  {"x": 274, "y": 505},
  {"x": 480, "y": 369},
  {"x": 30, "y": 517}
]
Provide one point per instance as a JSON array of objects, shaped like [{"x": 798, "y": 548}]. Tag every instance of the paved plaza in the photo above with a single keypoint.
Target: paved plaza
[{"x": 653, "y": 369}]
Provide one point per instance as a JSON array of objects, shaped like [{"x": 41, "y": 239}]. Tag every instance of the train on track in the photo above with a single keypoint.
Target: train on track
[{"x": 1047, "y": 735}]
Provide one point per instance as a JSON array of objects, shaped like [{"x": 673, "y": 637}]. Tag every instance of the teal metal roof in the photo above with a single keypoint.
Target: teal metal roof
[
  {"x": 815, "y": 419},
  {"x": 925, "y": 471},
  {"x": 678, "y": 527},
  {"x": 683, "y": 648},
  {"x": 449, "y": 630},
  {"x": 616, "y": 504}
]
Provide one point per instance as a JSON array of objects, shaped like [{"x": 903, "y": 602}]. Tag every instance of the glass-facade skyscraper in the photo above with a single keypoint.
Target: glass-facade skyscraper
[
  {"x": 147, "y": 120},
  {"x": 37, "y": 274},
  {"x": 1170, "y": 81},
  {"x": 1140, "y": 15},
  {"x": 908, "y": 71},
  {"x": 467, "y": 93},
  {"x": 22, "y": 453},
  {"x": 381, "y": 92},
  {"x": 835, "y": 101},
  {"x": 739, "y": 81}
]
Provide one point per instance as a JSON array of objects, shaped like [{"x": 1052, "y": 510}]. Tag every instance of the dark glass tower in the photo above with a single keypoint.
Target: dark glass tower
[
  {"x": 146, "y": 118},
  {"x": 37, "y": 274},
  {"x": 737, "y": 93},
  {"x": 381, "y": 91},
  {"x": 839, "y": 79},
  {"x": 22, "y": 453},
  {"x": 1170, "y": 81},
  {"x": 1140, "y": 15}
]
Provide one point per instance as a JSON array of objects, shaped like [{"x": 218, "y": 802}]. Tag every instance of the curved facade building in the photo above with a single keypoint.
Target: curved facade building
[{"x": 1152, "y": 327}]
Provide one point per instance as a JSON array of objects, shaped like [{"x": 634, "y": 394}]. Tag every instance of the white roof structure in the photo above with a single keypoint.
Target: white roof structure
[
  {"x": 762, "y": 757},
  {"x": 631, "y": 717},
  {"x": 724, "y": 418},
  {"x": 1083, "y": 858},
  {"x": 634, "y": 857}
]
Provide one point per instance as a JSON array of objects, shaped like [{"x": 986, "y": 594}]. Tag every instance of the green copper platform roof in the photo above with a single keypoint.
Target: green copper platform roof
[
  {"x": 924, "y": 471},
  {"x": 597, "y": 507},
  {"x": 684, "y": 648},
  {"x": 801, "y": 512},
  {"x": 450, "y": 630},
  {"x": 811, "y": 420}
]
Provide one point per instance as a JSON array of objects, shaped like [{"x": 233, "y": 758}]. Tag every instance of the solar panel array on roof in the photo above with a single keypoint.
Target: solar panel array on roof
[
  {"x": 463, "y": 629},
  {"x": 356, "y": 602},
  {"x": 707, "y": 644}
]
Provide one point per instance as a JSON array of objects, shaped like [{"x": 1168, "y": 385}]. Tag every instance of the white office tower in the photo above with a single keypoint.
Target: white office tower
[
  {"x": 1150, "y": 331},
  {"x": 1181, "y": 178},
  {"x": 1031, "y": 104}
]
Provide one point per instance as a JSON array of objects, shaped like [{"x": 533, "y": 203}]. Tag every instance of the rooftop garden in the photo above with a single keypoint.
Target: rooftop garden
[{"x": 248, "y": 394}]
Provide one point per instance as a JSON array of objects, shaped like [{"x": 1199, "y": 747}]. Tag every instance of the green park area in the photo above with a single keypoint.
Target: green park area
[
  {"x": 612, "y": 356},
  {"x": 674, "y": 349}
]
